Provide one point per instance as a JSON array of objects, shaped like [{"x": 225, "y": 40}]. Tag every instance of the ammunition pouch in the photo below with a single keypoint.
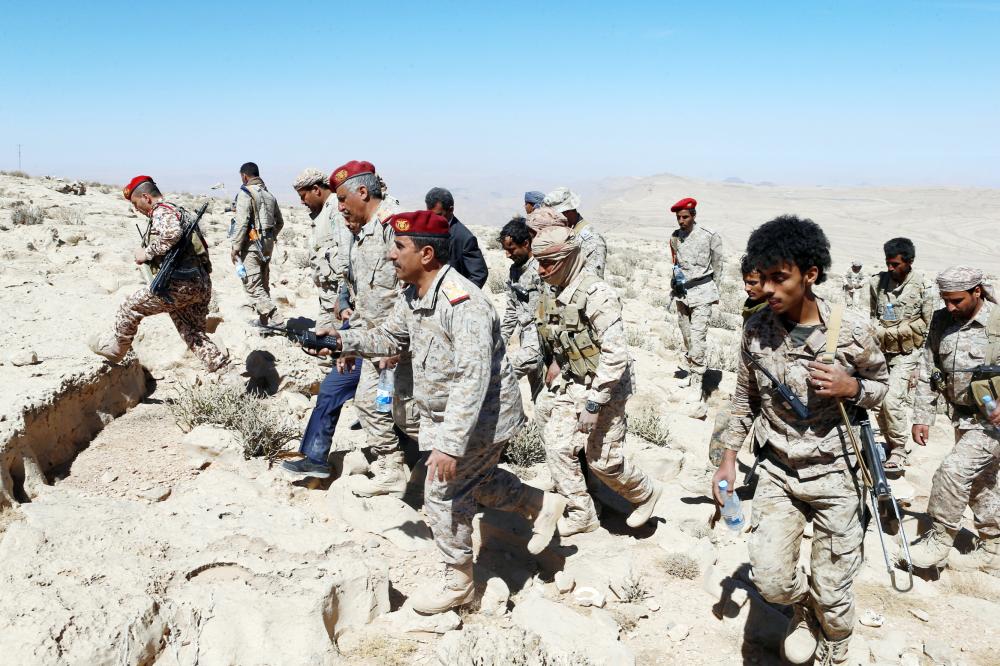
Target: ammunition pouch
[
  {"x": 566, "y": 333},
  {"x": 982, "y": 385},
  {"x": 898, "y": 337}
]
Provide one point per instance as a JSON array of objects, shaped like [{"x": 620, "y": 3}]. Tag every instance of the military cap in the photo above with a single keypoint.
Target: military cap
[
  {"x": 347, "y": 171},
  {"x": 134, "y": 183},
  {"x": 419, "y": 223},
  {"x": 562, "y": 199},
  {"x": 684, "y": 204}
]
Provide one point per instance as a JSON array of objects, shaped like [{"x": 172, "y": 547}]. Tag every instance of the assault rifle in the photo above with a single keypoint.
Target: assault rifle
[
  {"x": 144, "y": 268},
  {"x": 304, "y": 337},
  {"x": 161, "y": 283},
  {"x": 790, "y": 399},
  {"x": 978, "y": 372}
]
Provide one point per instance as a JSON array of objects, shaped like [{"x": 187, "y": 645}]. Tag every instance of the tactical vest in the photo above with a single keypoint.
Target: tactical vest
[
  {"x": 195, "y": 255},
  {"x": 896, "y": 340},
  {"x": 566, "y": 332}
]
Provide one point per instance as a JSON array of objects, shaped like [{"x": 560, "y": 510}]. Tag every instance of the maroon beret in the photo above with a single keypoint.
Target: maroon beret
[
  {"x": 134, "y": 183},
  {"x": 344, "y": 173},
  {"x": 684, "y": 204},
  {"x": 419, "y": 223}
]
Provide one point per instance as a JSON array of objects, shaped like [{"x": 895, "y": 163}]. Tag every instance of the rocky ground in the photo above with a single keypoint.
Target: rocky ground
[{"x": 125, "y": 540}]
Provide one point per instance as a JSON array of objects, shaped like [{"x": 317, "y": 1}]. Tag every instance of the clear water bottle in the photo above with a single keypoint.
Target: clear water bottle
[
  {"x": 890, "y": 312},
  {"x": 989, "y": 406},
  {"x": 679, "y": 275},
  {"x": 384, "y": 390},
  {"x": 241, "y": 270},
  {"x": 732, "y": 510}
]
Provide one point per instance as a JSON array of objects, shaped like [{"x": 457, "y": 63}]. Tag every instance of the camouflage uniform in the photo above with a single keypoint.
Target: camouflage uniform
[
  {"x": 699, "y": 254},
  {"x": 523, "y": 289},
  {"x": 854, "y": 282},
  {"x": 257, "y": 283},
  {"x": 968, "y": 474},
  {"x": 805, "y": 471},
  {"x": 331, "y": 245},
  {"x": 467, "y": 397},
  {"x": 611, "y": 384},
  {"x": 901, "y": 340},
  {"x": 593, "y": 247},
  {"x": 186, "y": 301},
  {"x": 374, "y": 290}
]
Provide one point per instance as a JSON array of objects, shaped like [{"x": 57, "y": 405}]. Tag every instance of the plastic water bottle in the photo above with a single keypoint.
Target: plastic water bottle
[
  {"x": 890, "y": 312},
  {"x": 384, "y": 390},
  {"x": 679, "y": 275},
  {"x": 732, "y": 511},
  {"x": 241, "y": 270},
  {"x": 989, "y": 406}
]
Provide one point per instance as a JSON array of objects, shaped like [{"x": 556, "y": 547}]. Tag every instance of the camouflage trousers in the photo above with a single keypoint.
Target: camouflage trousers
[
  {"x": 450, "y": 507},
  {"x": 603, "y": 447},
  {"x": 852, "y": 298},
  {"x": 781, "y": 505},
  {"x": 327, "y": 305},
  {"x": 378, "y": 426},
  {"x": 968, "y": 477},
  {"x": 893, "y": 414},
  {"x": 527, "y": 360},
  {"x": 257, "y": 283},
  {"x": 694, "y": 329},
  {"x": 188, "y": 309}
]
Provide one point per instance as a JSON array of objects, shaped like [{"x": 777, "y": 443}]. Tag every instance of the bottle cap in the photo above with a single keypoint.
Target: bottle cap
[{"x": 723, "y": 485}]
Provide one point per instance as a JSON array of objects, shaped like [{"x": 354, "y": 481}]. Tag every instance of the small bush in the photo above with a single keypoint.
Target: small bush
[
  {"x": 483, "y": 645},
  {"x": 649, "y": 425},
  {"x": 496, "y": 282},
  {"x": 69, "y": 215},
  {"x": 621, "y": 266},
  {"x": 385, "y": 650},
  {"x": 631, "y": 589},
  {"x": 635, "y": 338},
  {"x": 27, "y": 215},
  {"x": 617, "y": 281},
  {"x": 16, "y": 174},
  {"x": 680, "y": 565},
  {"x": 263, "y": 430},
  {"x": 527, "y": 448},
  {"x": 630, "y": 293},
  {"x": 493, "y": 243}
]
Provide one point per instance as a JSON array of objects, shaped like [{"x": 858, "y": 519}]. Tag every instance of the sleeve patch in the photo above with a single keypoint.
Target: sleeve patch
[{"x": 454, "y": 293}]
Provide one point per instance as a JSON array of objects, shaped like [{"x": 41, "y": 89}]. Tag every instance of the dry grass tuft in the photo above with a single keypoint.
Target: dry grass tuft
[
  {"x": 526, "y": 449},
  {"x": 680, "y": 565},
  {"x": 27, "y": 215},
  {"x": 648, "y": 424}
]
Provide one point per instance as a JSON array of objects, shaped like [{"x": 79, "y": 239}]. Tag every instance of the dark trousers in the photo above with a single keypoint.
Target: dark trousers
[{"x": 335, "y": 390}]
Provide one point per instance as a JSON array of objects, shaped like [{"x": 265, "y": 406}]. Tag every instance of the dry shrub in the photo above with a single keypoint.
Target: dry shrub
[
  {"x": 636, "y": 338},
  {"x": 16, "y": 174},
  {"x": 484, "y": 645},
  {"x": 27, "y": 215},
  {"x": 617, "y": 281},
  {"x": 621, "y": 266},
  {"x": 527, "y": 448},
  {"x": 631, "y": 589},
  {"x": 723, "y": 355},
  {"x": 649, "y": 425},
  {"x": 493, "y": 243},
  {"x": 264, "y": 430},
  {"x": 496, "y": 282},
  {"x": 680, "y": 565},
  {"x": 69, "y": 216},
  {"x": 385, "y": 650}
]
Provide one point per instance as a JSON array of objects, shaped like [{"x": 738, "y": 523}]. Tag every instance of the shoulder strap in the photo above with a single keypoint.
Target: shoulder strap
[
  {"x": 254, "y": 206},
  {"x": 993, "y": 336},
  {"x": 832, "y": 333}
]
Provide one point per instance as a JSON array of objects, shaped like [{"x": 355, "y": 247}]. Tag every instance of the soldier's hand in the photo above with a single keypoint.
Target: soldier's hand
[
  {"x": 913, "y": 380},
  {"x": 388, "y": 363},
  {"x": 234, "y": 255},
  {"x": 551, "y": 373},
  {"x": 921, "y": 434},
  {"x": 727, "y": 473},
  {"x": 832, "y": 381},
  {"x": 586, "y": 422},
  {"x": 140, "y": 255},
  {"x": 994, "y": 418},
  {"x": 322, "y": 332},
  {"x": 440, "y": 467},
  {"x": 346, "y": 314}
]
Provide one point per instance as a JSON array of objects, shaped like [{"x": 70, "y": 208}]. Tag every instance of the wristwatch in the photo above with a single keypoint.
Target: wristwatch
[{"x": 592, "y": 407}]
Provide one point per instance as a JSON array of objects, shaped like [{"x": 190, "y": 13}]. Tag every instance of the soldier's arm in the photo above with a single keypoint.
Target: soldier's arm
[
  {"x": 534, "y": 298},
  {"x": 168, "y": 230},
  {"x": 718, "y": 260},
  {"x": 509, "y": 321},
  {"x": 745, "y": 402},
  {"x": 600, "y": 257},
  {"x": 604, "y": 311},
  {"x": 870, "y": 368},
  {"x": 389, "y": 339},
  {"x": 921, "y": 323},
  {"x": 344, "y": 241},
  {"x": 873, "y": 299},
  {"x": 472, "y": 328},
  {"x": 925, "y": 398},
  {"x": 279, "y": 220},
  {"x": 242, "y": 220}
]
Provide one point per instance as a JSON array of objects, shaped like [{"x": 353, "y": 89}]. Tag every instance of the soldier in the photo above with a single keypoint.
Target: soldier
[
  {"x": 963, "y": 334},
  {"x": 901, "y": 305},
  {"x": 259, "y": 222},
  {"x": 331, "y": 241},
  {"x": 523, "y": 289},
  {"x": 190, "y": 289},
  {"x": 532, "y": 200},
  {"x": 469, "y": 402},
  {"x": 805, "y": 470},
  {"x": 696, "y": 251},
  {"x": 854, "y": 282},
  {"x": 466, "y": 257},
  {"x": 592, "y": 377},
  {"x": 374, "y": 289},
  {"x": 595, "y": 250}
]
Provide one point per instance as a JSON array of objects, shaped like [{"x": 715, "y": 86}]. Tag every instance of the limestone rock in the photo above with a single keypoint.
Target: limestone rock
[
  {"x": 408, "y": 621},
  {"x": 939, "y": 652},
  {"x": 495, "y": 598},
  {"x": 157, "y": 493},
  {"x": 589, "y": 596},
  {"x": 678, "y": 632},
  {"x": 208, "y": 443},
  {"x": 564, "y": 582},
  {"x": 392, "y": 518},
  {"x": 564, "y": 630},
  {"x": 660, "y": 462},
  {"x": 889, "y": 649},
  {"x": 22, "y": 358}
]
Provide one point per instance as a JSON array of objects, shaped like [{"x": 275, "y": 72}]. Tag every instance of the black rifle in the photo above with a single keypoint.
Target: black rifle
[
  {"x": 304, "y": 337},
  {"x": 161, "y": 283},
  {"x": 790, "y": 399}
]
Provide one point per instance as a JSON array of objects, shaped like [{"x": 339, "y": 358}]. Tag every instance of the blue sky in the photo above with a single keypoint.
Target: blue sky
[{"x": 504, "y": 94}]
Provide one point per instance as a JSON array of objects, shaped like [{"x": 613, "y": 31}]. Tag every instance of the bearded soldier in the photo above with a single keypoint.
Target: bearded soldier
[
  {"x": 523, "y": 290},
  {"x": 258, "y": 223}
]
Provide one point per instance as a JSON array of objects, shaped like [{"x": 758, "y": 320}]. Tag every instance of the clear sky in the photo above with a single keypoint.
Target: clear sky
[{"x": 505, "y": 94}]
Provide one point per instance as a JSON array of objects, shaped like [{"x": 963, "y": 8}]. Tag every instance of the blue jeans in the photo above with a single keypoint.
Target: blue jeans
[{"x": 335, "y": 390}]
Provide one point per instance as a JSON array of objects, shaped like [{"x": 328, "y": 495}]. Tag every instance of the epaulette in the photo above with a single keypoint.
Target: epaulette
[{"x": 454, "y": 293}]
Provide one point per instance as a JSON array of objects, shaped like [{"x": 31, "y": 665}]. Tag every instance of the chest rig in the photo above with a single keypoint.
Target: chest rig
[{"x": 565, "y": 331}]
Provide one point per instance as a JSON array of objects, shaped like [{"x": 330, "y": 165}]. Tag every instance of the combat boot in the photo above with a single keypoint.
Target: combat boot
[
  {"x": 546, "y": 521},
  {"x": 643, "y": 512},
  {"x": 108, "y": 347},
  {"x": 578, "y": 522},
  {"x": 800, "y": 641},
  {"x": 832, "y": 653},
  {"x": 389, "y": 476},
  {"x": 984, "y": 557},
  {"x": 931, "y": 549},
  {"x": 453, "y": 590}
]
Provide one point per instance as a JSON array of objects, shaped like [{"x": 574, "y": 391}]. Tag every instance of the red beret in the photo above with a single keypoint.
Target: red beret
[
  {"x": 419, "y": 223},
  {"x": 134, "y": 183},
  {"x": 684, "y": 204},
  {"x": 349, "y": 170}
]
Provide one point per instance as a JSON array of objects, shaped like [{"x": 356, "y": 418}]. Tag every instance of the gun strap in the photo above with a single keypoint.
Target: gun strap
[{"x": 832, "y": 333}]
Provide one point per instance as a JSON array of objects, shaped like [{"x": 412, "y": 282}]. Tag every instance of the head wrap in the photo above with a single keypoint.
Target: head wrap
[
  {"x": 684, "y": 204},
  {"x": 419, "y": 223},
  {"x": 562, "y": 199},
  {"x": 534, "y": 197},
  {"x": 964, "y": 278},
  {"x": 134, "y": 183},
  {"x": 308, "y": 178},
  {"x": 856, "y": 263},
  {"x": 561, "y": 246},
  {"x": 540, "y": 218}
]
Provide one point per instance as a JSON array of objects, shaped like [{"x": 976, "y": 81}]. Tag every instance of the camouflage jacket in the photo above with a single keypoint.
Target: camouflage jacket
[
  {"x": 913, "y": 302},
  {"x": 854, "y": 281},
  {"x": 952, "y": 345},
  {"x": 371, "y": 277},
  {"x": 699, "y": 254},
  {"x": 462, "y": 382},
  {"x": 819, "y": 444},
  {"x": 523, "y": 289},
  {"x": 270, "y": 212},
  {"x": 166, "y": 226},
  {"x": 593, "y": 247},
  {"x": 331, "y": 245}
]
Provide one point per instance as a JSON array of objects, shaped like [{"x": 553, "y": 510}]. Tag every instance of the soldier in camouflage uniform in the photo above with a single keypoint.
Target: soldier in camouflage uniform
[
  {"x": 190, "y": 289},
  {"x": 468, "y": 399},
  {"x": 523, "y": 289},
  {"x": 697, "y": 252},
  {"x": 963, "y": 334},
  {"x": 901, "y": 330},
  {"x": 331, "y": 241},
  {"x": 257, "y": 212},
  {"x": 592, "y": 245},
  {"x": 854, "y": 282},
  {"x": 374, "y": 289},
  {"x": 806, "y": 465},
  {"x": 592, "y": 377}
]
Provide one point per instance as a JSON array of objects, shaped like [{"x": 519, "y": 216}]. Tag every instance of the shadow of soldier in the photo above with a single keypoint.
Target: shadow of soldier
[{"x": 763, "y": 624}]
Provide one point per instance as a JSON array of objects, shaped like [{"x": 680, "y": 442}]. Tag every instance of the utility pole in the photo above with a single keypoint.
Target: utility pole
[{"x": 18, "y": 157}]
